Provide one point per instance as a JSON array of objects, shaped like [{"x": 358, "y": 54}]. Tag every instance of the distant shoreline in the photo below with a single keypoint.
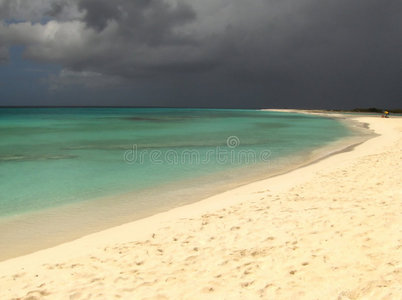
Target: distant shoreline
[{"x": 355, "y": 110}]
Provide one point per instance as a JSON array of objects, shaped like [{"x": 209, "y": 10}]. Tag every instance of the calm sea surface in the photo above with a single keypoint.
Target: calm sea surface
[{"x": 127, "y": 163}]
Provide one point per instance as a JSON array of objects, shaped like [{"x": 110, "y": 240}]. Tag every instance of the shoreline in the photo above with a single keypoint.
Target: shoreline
[
  {"x": 68, "y": 232},
  {"x": 342, "y": 145},
  {"x": 183, "y": 218}
]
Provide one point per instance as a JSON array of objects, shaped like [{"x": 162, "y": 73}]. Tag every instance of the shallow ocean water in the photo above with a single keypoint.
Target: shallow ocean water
[
  {"x": 68, "y": 172},
  {"x": 55, "y": 156}
]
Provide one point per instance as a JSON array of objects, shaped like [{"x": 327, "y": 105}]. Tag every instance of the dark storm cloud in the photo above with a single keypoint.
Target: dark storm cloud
[
  {"x": 56, "y": 9},
  {"x": 18, "y": 10},
  {"x": 345, "y": 52},
  {"x": 98, "y": 13},
  {"x": 36, "y": 10},
  {"x": 150, "y": 21},
  {"x": 342, "y": 53},
  {"x": 229, "y": 53}
]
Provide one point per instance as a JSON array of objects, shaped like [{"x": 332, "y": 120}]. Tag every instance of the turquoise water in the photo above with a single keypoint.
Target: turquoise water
[
  {"x": 53, "y": 157},
  {"x": 68, "y": 172}
]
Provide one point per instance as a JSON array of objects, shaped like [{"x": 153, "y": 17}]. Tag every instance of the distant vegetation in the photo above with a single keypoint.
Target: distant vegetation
[
  {"x": 374, "y": 110},
  {"x": 370, "y": 109}
]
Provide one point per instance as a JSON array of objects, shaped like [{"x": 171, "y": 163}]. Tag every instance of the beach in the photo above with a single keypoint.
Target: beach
[
  {"x": 70, "y": 172},
  {"x": 328, "y": 230}
]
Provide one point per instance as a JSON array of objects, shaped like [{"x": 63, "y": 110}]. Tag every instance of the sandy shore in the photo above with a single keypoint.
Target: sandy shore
[{"x": 330, "y": 230}]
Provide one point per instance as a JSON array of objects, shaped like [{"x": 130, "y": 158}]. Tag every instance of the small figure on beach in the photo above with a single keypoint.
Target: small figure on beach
[{"x": 386, "y": 114}]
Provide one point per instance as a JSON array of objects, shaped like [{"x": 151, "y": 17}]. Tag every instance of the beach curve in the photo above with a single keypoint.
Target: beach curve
[{"x": 326, "y": 230}]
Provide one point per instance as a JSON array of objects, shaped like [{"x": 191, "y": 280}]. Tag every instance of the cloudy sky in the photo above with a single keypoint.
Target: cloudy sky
[{"x": 203, "y": 53}]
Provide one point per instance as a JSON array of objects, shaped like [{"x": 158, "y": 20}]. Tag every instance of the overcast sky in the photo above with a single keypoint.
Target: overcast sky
[{"x": 202, "y": 53}]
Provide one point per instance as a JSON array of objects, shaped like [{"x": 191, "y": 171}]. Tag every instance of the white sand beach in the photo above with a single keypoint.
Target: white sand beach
[{"x": 329, "y": 230}]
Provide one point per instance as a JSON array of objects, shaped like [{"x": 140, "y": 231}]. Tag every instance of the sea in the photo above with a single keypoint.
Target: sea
[{"x": 67, "y": 172}]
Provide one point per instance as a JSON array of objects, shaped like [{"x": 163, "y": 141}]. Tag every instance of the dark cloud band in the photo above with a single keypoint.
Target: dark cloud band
[{"x": 258, "y": 53}]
